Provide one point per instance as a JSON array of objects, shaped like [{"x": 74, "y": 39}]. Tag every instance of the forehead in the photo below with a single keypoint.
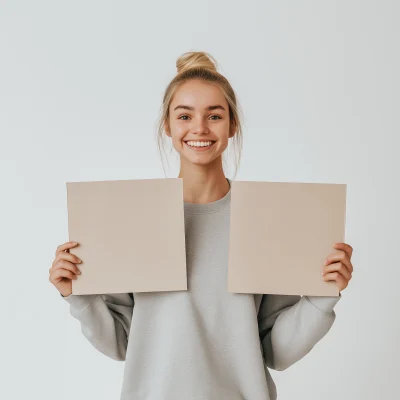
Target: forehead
[{"x": 198, "y": 94}]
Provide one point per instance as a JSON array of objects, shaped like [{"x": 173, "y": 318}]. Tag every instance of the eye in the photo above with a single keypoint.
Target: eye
[{"x": 180, "y": 117}]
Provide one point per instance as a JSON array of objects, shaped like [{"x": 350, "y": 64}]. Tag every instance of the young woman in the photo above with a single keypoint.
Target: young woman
[{"x": 204, "y": 343}]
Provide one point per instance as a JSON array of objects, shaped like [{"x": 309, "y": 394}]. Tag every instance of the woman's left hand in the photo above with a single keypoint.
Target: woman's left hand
[{"x": 338, "y": 266}]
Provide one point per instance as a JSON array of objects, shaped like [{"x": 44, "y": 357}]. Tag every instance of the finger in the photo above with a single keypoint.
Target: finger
[
  {"x": 60, "y": 273},
  {"x": 339, "y": 267},
  {"x": 345, "y": 247},
  {"x": 340, "y": 256},
  {"x": 63, "y": 264},
  {"x": 65, "y": 246},
  {"x": 67, "y": 256},
  {"x": 340, "y": 280}
]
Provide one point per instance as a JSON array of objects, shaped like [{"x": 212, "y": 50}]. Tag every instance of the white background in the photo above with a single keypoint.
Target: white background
[{"x": 81, "y": 84}]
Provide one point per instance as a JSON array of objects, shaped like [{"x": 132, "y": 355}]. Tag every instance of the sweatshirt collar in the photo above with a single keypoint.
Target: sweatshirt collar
[{"x": 206, "y": 208}]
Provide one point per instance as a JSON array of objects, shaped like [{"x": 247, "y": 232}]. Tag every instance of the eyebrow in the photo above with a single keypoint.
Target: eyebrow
[{"x": 210, "y": 108}]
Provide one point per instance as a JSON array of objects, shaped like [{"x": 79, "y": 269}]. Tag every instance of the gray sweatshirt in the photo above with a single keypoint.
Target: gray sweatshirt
[{"x": 203, "y": 343}]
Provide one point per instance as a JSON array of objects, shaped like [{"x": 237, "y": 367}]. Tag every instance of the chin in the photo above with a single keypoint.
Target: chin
[{"x": 199, "y": 162}]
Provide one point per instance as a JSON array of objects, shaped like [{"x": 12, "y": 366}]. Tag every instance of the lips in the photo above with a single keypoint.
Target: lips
[
  {"x": 200, "y": 148},
  {"x": 195, "y": 140}
]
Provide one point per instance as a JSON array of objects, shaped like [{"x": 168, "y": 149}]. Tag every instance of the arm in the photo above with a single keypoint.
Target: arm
[
  {"x": 290, "y": 326},
  {"x": 105, "y": 320}
]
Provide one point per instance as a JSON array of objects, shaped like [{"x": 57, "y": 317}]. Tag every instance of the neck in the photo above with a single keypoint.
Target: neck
[{"x": 202, "y": 184}]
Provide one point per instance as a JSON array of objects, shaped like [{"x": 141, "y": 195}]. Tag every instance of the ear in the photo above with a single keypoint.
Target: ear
[
  {"x": 167, "y": 130},
  {"x": 232, "y": 130}
]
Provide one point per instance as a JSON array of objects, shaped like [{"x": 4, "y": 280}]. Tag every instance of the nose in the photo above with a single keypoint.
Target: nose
[{"x": 201, "y": 126}]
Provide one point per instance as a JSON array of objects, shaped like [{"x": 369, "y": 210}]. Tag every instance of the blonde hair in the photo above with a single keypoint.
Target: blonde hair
[{"x": 201, "y": 65}]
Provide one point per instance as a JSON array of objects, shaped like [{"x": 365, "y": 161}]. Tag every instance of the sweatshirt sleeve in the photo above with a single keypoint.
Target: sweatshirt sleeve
[
  {"x": 291, "y": 325},
  {"x": 105, "y": 320}
]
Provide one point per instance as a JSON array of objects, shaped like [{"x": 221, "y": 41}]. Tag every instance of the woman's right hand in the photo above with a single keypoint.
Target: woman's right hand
[{"x": 63, "y": 269}]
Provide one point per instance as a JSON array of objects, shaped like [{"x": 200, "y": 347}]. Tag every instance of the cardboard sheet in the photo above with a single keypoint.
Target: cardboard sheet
[
  {"x": 281, "y": 234},
  {"x": 131, "y": 235}
]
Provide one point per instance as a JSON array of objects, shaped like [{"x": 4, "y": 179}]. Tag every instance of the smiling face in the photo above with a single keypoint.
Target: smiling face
[{"x": 199, "y": 116}]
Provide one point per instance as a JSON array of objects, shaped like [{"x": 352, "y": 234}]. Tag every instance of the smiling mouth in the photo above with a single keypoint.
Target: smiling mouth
[{"x": 199, "y": 146}]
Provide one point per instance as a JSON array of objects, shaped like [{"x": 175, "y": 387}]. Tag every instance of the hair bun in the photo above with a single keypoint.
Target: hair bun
[{"x": 195, "y": 59}]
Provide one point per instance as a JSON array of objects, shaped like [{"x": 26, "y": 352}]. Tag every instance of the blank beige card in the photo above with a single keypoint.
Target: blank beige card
[
  {"x": 131, "y": 235},
  {"x": 280, "y": 235}
]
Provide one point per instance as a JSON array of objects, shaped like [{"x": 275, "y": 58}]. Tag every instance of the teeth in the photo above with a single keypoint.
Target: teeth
[{"x": 199, "y": 144}]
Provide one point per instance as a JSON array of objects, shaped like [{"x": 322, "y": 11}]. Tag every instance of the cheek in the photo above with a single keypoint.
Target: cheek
[{"x": 178, "y": 132}]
